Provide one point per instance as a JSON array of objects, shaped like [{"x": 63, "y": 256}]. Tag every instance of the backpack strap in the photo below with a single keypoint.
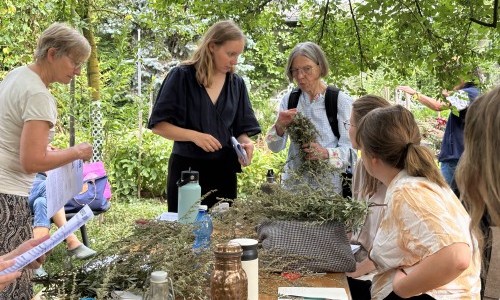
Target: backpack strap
[
  {"x": 293, "y": 99},
  {"x": 331, "y": 97}
]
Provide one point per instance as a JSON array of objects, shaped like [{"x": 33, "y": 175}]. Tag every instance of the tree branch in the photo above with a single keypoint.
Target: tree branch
[
  {"x": 360, "y": 47},
  {"x": 425, "y": 28},
  {"x": 259, "y": 8},
  {"x": 419, "y": 9},
  {"x": 495, "y": 17},
  {"x": 467, "y": 32},
  {"x": 324, "y": 20}
]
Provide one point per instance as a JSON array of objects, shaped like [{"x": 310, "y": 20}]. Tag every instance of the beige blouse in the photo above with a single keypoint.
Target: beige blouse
[
  {"x": 422, "y": 218},
  {"x": 377, "y": 206}
]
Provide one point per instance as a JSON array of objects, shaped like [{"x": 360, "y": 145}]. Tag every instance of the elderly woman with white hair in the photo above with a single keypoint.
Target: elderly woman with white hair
[
  {"x": 27, "y": 119},
  {"x": 307, "y": 66}
]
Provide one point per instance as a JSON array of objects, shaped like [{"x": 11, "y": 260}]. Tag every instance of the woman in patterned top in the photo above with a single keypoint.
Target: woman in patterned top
[
  {"x": 27, "y": 121},
  {"x": 423, "y": 247}
]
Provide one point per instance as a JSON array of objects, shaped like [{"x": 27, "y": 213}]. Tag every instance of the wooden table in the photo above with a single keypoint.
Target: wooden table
[{"x": 269, "y": 283}]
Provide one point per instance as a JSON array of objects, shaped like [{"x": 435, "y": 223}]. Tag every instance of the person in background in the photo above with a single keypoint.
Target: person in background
[
  {"x": 41, "y": 222},
  {"x": 201, "y": 104},
  {"x": 365, "y": 188},
  {"x": 452, "y": 146},
  {"x": 478, "y": 172},
  {"x": 307, "y": 65},
  {"x": 27, "y": 119},
  {"x": 423, "y": 247},
  {"x": 7, "y": 260}
]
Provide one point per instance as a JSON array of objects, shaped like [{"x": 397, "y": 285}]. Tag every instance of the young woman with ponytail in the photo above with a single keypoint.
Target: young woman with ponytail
[{"x": 423, "y": 248}]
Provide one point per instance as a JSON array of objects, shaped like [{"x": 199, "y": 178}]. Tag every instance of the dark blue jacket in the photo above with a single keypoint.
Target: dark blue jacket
[{"x": 453, "y": 139}]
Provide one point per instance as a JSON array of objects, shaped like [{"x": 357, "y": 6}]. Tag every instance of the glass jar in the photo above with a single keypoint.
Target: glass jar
[{"x": 160, "y": 287}]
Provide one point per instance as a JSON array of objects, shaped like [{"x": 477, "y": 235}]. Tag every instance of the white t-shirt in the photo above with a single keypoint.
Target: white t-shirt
[{"x": 23, "y": 97}]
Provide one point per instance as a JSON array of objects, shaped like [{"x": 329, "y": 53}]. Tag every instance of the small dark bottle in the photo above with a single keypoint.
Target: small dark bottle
[
  {"x": 270, "y": 176},
  {"x": 270, "y": 184}
]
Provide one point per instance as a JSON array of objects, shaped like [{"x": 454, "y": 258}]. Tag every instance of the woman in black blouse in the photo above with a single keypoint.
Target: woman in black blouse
[{"x": 201, "y": 104}]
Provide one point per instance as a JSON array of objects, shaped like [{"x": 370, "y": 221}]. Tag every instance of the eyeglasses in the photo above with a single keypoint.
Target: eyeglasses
[
  {"x": 76, "y": 65},
  {"x": 307, "y": 70},
  {"x": 347, "y": 125}
]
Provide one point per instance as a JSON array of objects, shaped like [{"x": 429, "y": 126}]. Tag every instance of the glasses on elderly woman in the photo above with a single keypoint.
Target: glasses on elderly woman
[
  {"x": 307, "y": 70},
  {"x": 77, "y": 65},
  {"x": 347, "y": 125}
]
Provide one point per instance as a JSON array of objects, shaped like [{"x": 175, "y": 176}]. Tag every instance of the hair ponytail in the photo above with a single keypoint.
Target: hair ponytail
[
  {"x": 391, "y": 134},
  {"x": 420, "y": 163}
]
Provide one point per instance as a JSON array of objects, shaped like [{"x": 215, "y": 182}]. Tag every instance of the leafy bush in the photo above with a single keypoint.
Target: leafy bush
[
  {"x": 254, "y": 175},
  {"x": 138, "y": 166}
]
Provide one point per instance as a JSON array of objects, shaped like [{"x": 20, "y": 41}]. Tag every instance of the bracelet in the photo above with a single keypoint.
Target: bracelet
[{"x": 416, "y": 96}]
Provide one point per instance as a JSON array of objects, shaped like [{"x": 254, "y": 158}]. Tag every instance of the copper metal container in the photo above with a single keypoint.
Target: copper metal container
[{"x": 228, "y": 280}]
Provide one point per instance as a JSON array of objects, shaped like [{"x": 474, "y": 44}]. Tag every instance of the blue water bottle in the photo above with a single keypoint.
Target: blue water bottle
[
  {"x": 189, "y": 195},
  {"x": 203, "y": 230}
]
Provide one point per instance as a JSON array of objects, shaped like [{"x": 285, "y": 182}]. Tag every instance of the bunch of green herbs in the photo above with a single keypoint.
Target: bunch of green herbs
[{"x": 303, "y": 132}]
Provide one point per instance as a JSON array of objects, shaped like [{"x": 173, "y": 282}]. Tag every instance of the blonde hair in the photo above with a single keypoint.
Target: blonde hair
[
  {"x": 478, "y": 173},
  {"x": 361, "y": 107},
  {"x": 65, "y": 39},
  {"x": 202, "y": 58},
  {"x": 392, "y": 135}
]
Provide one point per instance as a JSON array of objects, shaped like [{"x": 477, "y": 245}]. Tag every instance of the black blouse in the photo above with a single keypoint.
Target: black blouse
[{"x": 183, "y": 102}]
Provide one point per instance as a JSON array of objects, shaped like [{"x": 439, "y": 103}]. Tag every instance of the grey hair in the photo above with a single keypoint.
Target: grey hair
[
  {"x": 65, "y": 39},
  {"x": 311, "y": 51}
]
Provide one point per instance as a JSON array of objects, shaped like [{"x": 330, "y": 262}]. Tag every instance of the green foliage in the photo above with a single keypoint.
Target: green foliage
[
  {"x": 255, "y": 174},
  {"x": 372, "y": 47},
  {"x": 135, "y": 165}
]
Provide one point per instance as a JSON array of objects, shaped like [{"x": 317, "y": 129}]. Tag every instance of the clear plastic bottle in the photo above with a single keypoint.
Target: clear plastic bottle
[{"x": 203, "y": 230}]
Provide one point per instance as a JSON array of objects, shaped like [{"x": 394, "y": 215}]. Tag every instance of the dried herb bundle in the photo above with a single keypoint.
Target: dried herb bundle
[
  {"x": 156, "y": 245},
  {"x": 303, "y": 203},
  {"x": 126, "y": 265},
  {"x": 303, "y": 132}
]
